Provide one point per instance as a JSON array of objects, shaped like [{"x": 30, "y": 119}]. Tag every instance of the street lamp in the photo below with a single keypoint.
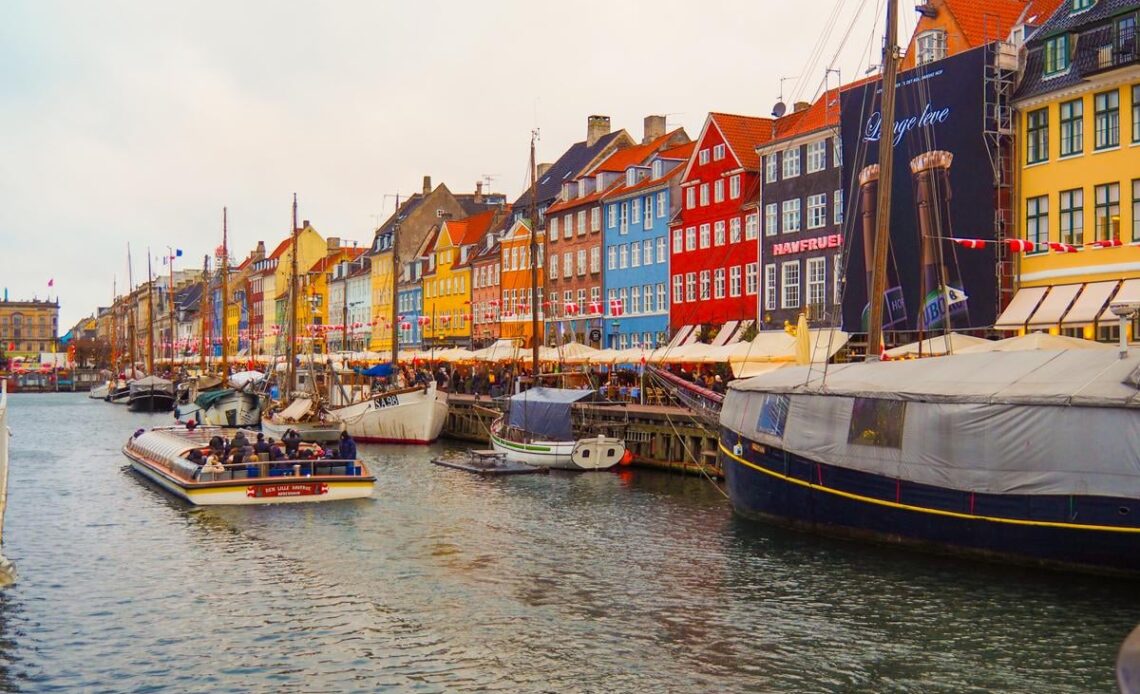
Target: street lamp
[{"x": 1124, "y": 310}]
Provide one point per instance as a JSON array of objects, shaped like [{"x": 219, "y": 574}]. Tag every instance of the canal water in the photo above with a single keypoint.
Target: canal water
[{"x": 604, "y": 582}]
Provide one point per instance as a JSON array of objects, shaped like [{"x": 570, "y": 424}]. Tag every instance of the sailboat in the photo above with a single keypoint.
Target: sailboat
[
  {"x": 1022, "y": 457},
  {"x": 537, "y": 428},
  {"x": 150, "y": 393},
  {"x": 217, "y": 401},
  {"x": 299, "y": 411},
  {"x": 407, "y": 415}
]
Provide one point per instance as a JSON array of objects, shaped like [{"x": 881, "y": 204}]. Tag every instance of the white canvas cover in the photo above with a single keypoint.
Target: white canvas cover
[
  {"x": 951, "y": 343},
  {"x": 726, "y": 331},
  {"x": 296, "y": 409},
  {"x": 1039, "y": 422},
  {"x": 680, "y": 336}
]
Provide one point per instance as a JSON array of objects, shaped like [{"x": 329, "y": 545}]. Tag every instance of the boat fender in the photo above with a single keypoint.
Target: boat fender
[{"x": 627, "y": 457}]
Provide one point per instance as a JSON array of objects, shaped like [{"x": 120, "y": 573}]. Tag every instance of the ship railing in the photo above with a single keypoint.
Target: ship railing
[{"x": 285, "y": 469}]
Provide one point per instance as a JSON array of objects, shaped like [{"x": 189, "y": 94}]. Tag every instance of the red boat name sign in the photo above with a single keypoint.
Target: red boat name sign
[{"x": 287, "y": 489}]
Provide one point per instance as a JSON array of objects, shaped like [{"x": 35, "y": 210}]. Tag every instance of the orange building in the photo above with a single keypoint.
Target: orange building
[{"x": 517, "y": 298}]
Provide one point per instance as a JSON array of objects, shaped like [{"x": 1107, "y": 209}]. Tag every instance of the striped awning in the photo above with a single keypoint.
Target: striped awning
[
  {"x": 1053, "y": 307},
  {"x": 1129, "y": 291},
  {"x": 680, "y": 336},
  {"x": 1019, "y": 310},
  {"x": 1090, "y": 304},
  {"x": 726, "y": 332}
]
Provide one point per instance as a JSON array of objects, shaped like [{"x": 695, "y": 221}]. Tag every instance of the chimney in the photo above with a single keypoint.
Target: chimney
[
  {"x": 654, "y": 128},
  {"x": 305, "y": 224},
  {"x": 333, "y": 243},
  {"x": 427, "y": 184},
  {"x": 800, "y": 106},
  {"x": 596, "y": 128},
  {"x": 543, "y": 168},
  {"x": 259, "y": 252},
  {"x": 478, "y": 192}
]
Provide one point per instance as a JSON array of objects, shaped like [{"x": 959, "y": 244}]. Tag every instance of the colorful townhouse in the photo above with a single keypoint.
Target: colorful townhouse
[
  {"x": 1078, "y": 125},
  {"x": 575, "y": 286},
  {"x": 416, "y": 217},
  {"x": 486, "y": 266},
  {"x": 311, "y": 246},
  {"x": 949, "y": 27},
  {"x": 415, "y": 326},
  {"x": 636, "y": 213},
  {"x": 447, "y": 286},
  {"x": 359, "y": 296},
  {"x": 714, "y": 266},
  {"x": 801, "y": 205},
  {"x": 327, "y": 312},
  {"x": 517, "y": 300}
]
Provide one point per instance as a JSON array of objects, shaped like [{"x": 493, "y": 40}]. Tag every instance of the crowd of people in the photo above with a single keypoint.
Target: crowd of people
[{"x": 222, "y": 452}]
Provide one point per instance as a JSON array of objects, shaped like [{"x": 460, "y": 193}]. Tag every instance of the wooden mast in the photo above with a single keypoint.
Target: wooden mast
[
  {"x": 170, "y": 303},
  {"x": 291, "y": 333},
  {"x": 877, "y": 291},
  {"x": 132, "y": 327},
  {"x": 203, "y": 304},
  {"x": 395, "y": 292},
  {"x": 149, "y": 317},
  {"x": 225, "y": 296},
  {"x": 114, "y": 326},
  {"x": 535, "y": 299}
]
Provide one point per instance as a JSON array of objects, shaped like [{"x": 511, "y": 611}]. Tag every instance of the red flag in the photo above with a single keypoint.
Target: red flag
[
  {"x": 1062, "y": 247},
  {"x": 1111, "y": 243},
  {"x": 1021, "y": 245},
  {"x": 616, "y": 308},
  {"x": 972, "y": 244}
]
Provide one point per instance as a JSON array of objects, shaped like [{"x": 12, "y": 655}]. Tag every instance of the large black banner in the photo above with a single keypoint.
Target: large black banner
[{"x": 942, "y": 186}]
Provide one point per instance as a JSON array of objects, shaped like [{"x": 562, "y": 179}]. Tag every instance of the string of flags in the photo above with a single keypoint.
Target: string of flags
[{"x": 1025, "y": 246}]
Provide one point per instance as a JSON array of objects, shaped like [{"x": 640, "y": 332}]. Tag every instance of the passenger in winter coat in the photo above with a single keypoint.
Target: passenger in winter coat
[{"x": 347, "y": 446}]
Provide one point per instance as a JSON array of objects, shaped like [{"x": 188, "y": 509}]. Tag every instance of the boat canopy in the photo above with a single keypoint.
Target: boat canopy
[
  {"x": 545, "y": 412},
  {"x": 152, "y": 383},
  {"x": 207, "y": 399},
  {"x": 1060, "y": 422},
  {"x": 376, "y": 371}
]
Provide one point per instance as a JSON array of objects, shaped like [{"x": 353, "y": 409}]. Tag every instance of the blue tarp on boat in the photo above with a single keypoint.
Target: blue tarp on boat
[
  {"x": 545, "y": 412},
  {"x": 378, "y": 370}
]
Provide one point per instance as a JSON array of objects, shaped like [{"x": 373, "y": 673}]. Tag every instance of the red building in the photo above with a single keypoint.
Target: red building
[{"x": 714, "y": 271}]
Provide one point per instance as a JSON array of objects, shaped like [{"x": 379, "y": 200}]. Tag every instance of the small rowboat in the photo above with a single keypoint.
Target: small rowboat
[{"x": 161, "y": 455}]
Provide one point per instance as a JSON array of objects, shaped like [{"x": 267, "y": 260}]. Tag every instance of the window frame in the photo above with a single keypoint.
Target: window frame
[
  {"x": 1071, "y": 214},
  {"x": 1106, "y": 120},
  {"x": 1108, "y": 205},
  {"x": 1037, "y": 223},
  {"x": 790, "y": 282},
  {"x": 1071, "y": 122},
  {"x": 1037, "y": 136}
]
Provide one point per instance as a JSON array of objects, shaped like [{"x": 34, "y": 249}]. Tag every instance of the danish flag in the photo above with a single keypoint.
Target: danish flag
[
  {"x": 595, "y": 307},
  {"x": 570, "y": 308},
  {"x": 1062, "y": 247},
  {"x": 616, "y": 308}
]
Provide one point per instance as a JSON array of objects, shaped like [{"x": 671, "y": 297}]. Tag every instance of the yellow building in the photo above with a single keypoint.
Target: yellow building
[
  {"x": 317, "y": 282},
  {"x": 447, "y": 287},
  {"x": 1079, "y": 173},
  {"x": 380, "y": 280},
  {"x": 310, "y": 248},
  {"x": 28, "y": 328}
]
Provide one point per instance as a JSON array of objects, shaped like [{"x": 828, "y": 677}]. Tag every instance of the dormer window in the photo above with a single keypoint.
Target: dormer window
[
  {"x": 1082, "y": 5},
  {"x": 568, "y": 189},
  {"x": 599, "y": 182},
  {"x": 1056, "y": 54},
  {"x": 630, "y": 176},
  {"x": 658, "y": 168},
  {"x": 930, "y": 46},
  {"x": 583, "y": 188},
  {"x": 718, "y": 152}
]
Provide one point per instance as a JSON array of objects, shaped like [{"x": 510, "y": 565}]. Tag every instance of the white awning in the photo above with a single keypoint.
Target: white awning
[
  {"x": 1129, "y": 291},
  {"x": 680, "y": 335},
  {"x": 744, "y": 326},
  {"x": 1089, "y": 304},
  {"x": 1057, "y": 301},
  {"x": 726, "y": 331},
  {"x": 1019, "y": 310}
]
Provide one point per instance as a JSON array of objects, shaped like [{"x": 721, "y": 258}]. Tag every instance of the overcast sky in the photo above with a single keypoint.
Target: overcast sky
[{"x": 137, "y": 121}]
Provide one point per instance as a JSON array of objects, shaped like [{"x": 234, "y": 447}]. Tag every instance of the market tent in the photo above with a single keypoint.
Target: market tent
[
  {"x": 1035, "y": 341},
  {"x": 454, "y": 354},
  {"x": 501, "y": 350},
  {"x": 575, "y": 352},
  {"x": 938, "y": 345}
]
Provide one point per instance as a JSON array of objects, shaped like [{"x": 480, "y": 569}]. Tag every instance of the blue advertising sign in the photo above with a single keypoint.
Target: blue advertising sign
[{"x": 942, "y": 187}]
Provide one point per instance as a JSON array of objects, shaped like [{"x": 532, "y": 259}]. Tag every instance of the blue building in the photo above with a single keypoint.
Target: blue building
[
  {"x": 410, "y": 305},
  {"x": 636, "y": 217}
]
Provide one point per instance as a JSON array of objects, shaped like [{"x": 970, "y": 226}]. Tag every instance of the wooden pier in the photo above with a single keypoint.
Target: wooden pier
[{"x": 659, "y": 436}]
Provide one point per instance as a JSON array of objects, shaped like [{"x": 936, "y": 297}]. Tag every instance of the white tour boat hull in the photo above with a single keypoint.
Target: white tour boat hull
[
  {"x": 411, "y": 417},
  {"x": 600, "y": 453}
]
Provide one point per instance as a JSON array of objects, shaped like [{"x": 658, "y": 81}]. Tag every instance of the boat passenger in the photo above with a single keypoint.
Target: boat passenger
[
  {"x": 292, "y": 441},
  {"x": 261, "y": 447},
  {"x": 239, "y": 440},
  {"x": 347, "y": 446},
  {"x": 213, "y": 465},
  {"x": 218, "y": 445},
  {"x": 191, "y": 424},
  {"x": 275, "y": 451},
  {"x": 195, "y": 456}
]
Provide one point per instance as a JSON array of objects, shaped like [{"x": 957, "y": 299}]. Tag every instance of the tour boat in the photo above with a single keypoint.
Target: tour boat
[
  {"x": 407, "y": 415},
  {"x": 151, "y": 394},
  {"x": 161, "y": 456},
  {"x": 100, "y": 392},
  {"x": 537, "y": 430},
  {"x": 119, "y": 392}
]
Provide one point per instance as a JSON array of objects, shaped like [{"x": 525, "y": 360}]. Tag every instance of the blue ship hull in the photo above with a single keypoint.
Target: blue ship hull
[{"x": 1091, "y": 533}]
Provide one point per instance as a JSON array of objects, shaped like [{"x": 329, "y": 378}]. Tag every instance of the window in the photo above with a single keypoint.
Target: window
[
  {"x": 582, "y": 300},
  {"x": 752, "y": 226},
  {"x": 704, "y": 194},
  {"x": 611, "y": 216},
  {"x": 611, "y": 258},
  {"x": 791, "y": 159},
  {"x": 647, "y": 251},
  {"x": 1136, "y": 113},
  {"x": 635, "y": 254},
  {"x": 553, "y": 228},
  {"x": 596, "y": 219},
  {"x": 734, "y": 186},
  {"x": 837, "y": 207},
  {"x": 705, "y": 236},
  {"x": 677, "y": 296},
  {"x": 634, "y": 212},
  {"x": 661, "y": 306},
  {"x": 661, "y": 209},
  {"x": 718, "y": 190},
  {"x": 690, "y": 197},
  {"x": 791, "y": 215},
  {"x": 1056, "y": 55},
  {"x": 734, "y": 230},
  {"x": 734, "y": 280},
  {"x": 1136, "y": 209},
  {"x": 703, "y": 156},
  {"x": 770, "y": 287},
  {"x": 647, "y": 292},
  {"x": 648, "y": 212},
  {"x": 751, "y": 278},
  {"x": 771, "y": 219},
  {"x": 567, "y": 265},
  {"x": 773, "y": 414},
  {"x": 568, "y": 226},
  {"x": 718, "y": 233},
  {"x": 790, "y": 284},
  {"x": 596, "y": 259},
  {"x": 596, "y": 294},
  {"x": 581, "y": 222},
  {"x": 817, "y": 211},
  {"x": 876, "y": 422},
  {"x": 691, "y": 239},
  {"x": 1079, "y": 5},
  {"x": 1037, "y": 222},
  {"x": 836, "y": 152},
  {"x": 1107, "y": 119},
  {"x": 661, "y": 257},
  {"x": 718, "y": 152},
  {"x": 635, "y": 299},
  {"x": 690, "y": 286},
  {"x": 1037, "y": 136},
  {"x": 623, "y": 256},
  {"x": 1072, "y": 210},
  {"x": 1072, "y": 127},
  {"x": 677, "y": 241},
  {"x": 553, "y": 266},
  {"x": 718, "y": 283},
  {"x": 771, "y": 164},
  {"x": 817, "y": 281},
  {"x": 1108, "y": 212},
  {"x": 817, "y": 156},
  {"x": 930, "y": 46},
  {"x": 704, "y": 285},
  {"x": 623, "y": 218}
]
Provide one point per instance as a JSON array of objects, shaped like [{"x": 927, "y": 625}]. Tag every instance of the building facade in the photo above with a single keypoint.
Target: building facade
[
  {"x": 28, "y": 328},
  {"x": 517, "y": 302}
]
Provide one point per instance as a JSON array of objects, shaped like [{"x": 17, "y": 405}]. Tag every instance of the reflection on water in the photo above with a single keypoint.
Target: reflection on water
[{"x": 629, "y": 581}]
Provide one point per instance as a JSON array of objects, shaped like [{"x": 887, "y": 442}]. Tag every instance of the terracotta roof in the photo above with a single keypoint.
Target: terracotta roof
[
  {"x": 475, "y": 227},
  {"x": 985, "y": 19},
  {"x": 333, "y": 258},
  {"x": 679, "y": 152},
  {"x": 280, "y": 248},
  {"x": 637, "y": 154},
  {"x": 743, "y": 134}
]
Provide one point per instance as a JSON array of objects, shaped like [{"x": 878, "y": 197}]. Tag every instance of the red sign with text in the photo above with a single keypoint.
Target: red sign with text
[{"x": 290, "y": 489}]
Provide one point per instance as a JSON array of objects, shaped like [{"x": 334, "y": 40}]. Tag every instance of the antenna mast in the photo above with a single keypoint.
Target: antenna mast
[
  {"x": 149, "y": 317},
  {"x": 225, "y": 295},
  {"x": 395, "y": 290},
  {"x": 290, "y": 346},
  {"x": 534, "y": 299}
]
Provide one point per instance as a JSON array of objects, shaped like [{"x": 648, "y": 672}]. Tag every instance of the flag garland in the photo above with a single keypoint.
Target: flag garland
[{"x": 1026, "y": 246}]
